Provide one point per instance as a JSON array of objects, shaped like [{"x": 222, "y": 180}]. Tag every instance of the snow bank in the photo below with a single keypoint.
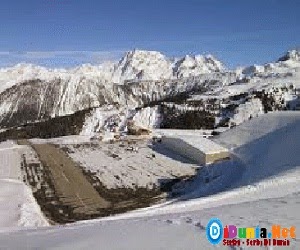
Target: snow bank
[
  {"x": 17, "y": 204},
  {"x": 18, "y": 208},
  {"x": 257, "y": 128}
]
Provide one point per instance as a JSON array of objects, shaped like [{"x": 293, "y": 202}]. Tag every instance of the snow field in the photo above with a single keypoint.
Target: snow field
[{"x": 18, "y": 207}]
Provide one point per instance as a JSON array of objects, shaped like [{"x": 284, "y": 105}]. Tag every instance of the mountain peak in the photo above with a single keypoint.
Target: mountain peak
[
  {"x": 143, "y": 64},
  {"x": 153, "y": 65},
  {"x": 293, "y": 55},
  {"x": 193, "y": 65},
  {"x": 138, "y": 54}
]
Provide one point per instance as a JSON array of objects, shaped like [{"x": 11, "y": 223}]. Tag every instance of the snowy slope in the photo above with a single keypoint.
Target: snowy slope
[
  {"x": 19, "y": 73},
  {"x": 104, "y": 117},
  {"x": 172, "y": 231},
  {"x": 197, "y": 65},
  {"x": 291, "y": 60},
  {"x": 260, "y": 168},
  {"x": 258, "y": 128},
  {"x": 18, "y": 207},
  {"x": 267, "y": 193}
]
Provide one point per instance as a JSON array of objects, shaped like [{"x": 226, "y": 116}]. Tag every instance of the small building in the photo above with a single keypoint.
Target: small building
[{"x": 197, "y": 148}]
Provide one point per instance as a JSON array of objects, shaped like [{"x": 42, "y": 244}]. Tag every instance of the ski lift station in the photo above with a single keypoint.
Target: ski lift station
[{"x": 197, "y": 148}]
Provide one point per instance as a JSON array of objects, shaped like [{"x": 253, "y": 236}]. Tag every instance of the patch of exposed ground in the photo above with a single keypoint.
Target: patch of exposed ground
[
  {"x": 68, "y": 190},
  {"x": 130, "y": 163}
]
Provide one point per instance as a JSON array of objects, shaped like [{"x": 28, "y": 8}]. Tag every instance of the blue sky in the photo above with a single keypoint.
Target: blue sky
[{"x": 66, "y": 32}]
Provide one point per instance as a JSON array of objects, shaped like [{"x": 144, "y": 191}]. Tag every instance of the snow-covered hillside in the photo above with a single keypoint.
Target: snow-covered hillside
[
  {"x": 18, "y": 207},
  {"x": 30, "y": 93},
  {"x": 266, "y": 192},
  {"x": 286, "y": 64},
  {"x": 140, "y": 80}
]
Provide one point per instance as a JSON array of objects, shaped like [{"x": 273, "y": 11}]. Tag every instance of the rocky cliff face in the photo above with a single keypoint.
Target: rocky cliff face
[
  {"x": 37, "y": 99},
  {"x": 143, "y": 65},
  {"x": 35, "y": 93}
]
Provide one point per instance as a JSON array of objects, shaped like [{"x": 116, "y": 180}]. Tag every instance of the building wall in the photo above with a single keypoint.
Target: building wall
[
  {"x": 210, "y": 158},
  {"x": 195, "y": 154}
]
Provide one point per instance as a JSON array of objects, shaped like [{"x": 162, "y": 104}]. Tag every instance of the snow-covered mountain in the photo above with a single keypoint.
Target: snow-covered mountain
[
  {"x": 135, "y": 65},
  {"x": 196, "y": 65},
  {"x": 292, "y": 55},
  {"x": 30, "y": 93},
  {"x": 285, "y": 64},
  {"x": 152, "y": 65},
  {"x": 143, "y": 65}
]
